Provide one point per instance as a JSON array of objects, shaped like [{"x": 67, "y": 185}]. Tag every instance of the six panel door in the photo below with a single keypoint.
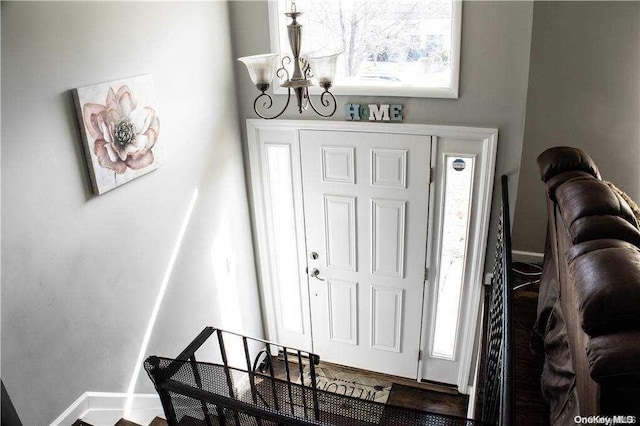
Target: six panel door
[{"x": 362, "y": 193}]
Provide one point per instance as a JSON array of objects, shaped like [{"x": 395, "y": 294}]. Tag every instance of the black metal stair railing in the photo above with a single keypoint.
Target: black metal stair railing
[
  {"x": 204, "y": 393},
  {"x": 217, "y": 398},
  {"x": 498, "y": 395}
]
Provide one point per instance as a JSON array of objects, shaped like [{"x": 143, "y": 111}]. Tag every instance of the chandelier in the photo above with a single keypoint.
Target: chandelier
[{"x": 317, "y": 66}]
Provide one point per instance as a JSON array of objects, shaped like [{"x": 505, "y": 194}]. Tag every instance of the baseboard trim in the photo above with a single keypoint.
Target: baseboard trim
[
  {"x": 472, "y": 401},
  {"x": 75, "y": 411},
  {"x": 527, "y": 256},
  {"x": 109, "y": 406}
]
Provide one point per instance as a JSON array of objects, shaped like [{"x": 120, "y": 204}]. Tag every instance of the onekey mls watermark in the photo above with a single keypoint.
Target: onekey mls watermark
[{"x": 605, "y": 420}]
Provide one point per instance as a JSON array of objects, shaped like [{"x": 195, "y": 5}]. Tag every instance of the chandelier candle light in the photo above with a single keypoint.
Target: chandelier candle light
[{"x": 321, "y": 67}]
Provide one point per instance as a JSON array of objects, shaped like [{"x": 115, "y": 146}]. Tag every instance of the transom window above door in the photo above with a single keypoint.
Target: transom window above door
[{"x": 390, "y": 47}]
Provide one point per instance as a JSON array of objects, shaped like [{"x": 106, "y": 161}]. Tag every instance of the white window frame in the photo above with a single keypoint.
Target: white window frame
[{"x": 380, "y": 88}]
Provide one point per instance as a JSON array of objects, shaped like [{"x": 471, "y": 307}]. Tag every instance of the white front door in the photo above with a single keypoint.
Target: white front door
[{"x": 366, "y": 199}]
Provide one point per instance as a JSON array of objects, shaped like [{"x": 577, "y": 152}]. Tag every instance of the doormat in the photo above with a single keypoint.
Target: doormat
[{"x": 349, "y": 384}]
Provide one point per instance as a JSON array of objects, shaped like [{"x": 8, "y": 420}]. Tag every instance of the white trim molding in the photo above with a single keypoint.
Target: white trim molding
[
  {"x": 489, "y": 136},
  {"x": 75, "y": 411},
  {"x": 451, "y": 91},
  {"x": 106, "y": 408},
  {"x": 487, "y": 173},
  {"x": 527, "y": 256}
]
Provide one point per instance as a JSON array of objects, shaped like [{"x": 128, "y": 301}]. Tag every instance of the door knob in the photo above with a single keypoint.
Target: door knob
[{"x": 315, "y": 273}]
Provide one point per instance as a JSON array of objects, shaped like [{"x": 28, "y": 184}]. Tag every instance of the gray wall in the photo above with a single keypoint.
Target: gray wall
[
  {"x": 496, "y": 38},
  {"x": 584, "y": 91},
  {"x": 80, "y": 274}
]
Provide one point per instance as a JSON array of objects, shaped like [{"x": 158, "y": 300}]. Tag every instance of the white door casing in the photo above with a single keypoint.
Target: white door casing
[
  {"x": 365, "y": 204},
  {"x": 452, "y": 139},
  {"x": 466, "y": 146}
]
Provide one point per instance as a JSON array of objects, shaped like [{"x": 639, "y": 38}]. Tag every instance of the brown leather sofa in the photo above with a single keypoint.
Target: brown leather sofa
[{"x": 588, "y": 324}]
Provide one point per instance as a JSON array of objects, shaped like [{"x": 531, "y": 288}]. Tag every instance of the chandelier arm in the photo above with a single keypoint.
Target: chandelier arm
[
  {"x": 282, "y": 72},
  {"x": 261, "y": 71},
  {"x": 268, "y": 103},
  {"x": 325, "y": 103}
]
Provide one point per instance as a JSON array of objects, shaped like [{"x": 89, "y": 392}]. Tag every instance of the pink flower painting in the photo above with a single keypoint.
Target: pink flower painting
[{"x": 120, "y": 127}]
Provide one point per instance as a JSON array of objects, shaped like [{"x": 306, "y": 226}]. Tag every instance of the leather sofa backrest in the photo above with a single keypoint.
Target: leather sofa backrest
[
  {"x": 561, "y": 159},
  {"x": 603, "y": 257},
  {"x": 606, "y": 278},
  {"x": 580, "y": 197},
  {"x": 591, "y": 210}
]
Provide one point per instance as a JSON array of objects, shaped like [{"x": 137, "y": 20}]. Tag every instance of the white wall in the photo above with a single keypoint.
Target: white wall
[
  {"x": 80, "y": 274},
  {"x": 496, "y": 39}
]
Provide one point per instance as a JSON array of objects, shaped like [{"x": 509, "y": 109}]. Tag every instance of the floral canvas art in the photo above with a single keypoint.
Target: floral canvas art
[{"x": 120, "y": 130}]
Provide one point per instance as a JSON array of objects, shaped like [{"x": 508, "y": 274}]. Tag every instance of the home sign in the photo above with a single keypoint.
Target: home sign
[{"x": 372, "y": 112}]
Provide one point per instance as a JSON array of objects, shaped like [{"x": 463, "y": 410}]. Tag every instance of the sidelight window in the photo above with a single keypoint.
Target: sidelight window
[{"x": 458, "y": 187}]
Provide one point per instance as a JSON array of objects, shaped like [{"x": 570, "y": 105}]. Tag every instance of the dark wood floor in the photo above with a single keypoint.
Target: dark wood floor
[
  {"x": 432, "y": 400},
  {"x": 432, "y": 397},
  {"x": 531, "y": 408}
]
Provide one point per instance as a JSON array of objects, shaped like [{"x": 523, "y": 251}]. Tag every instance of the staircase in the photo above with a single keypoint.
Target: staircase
[{"x": 158, "y": 421}]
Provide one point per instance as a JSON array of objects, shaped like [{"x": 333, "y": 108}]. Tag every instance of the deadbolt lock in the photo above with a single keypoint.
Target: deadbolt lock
[{"x": 314, "y": 255}]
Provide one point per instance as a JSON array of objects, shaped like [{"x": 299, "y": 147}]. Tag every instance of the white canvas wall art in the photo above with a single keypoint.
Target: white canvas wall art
[{"x": 120, "y": 130}]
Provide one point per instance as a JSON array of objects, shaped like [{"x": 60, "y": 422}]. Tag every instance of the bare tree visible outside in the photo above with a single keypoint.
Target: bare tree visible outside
[
  {"x": 398, "y": 41},
  {"x": 364, "y": 31}
]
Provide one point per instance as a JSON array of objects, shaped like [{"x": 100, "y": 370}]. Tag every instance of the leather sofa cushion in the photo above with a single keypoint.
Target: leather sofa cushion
[
  {"x": 588, "y": 246},
  {"x": 607, "y": 285},
  {"x": 614, "y": 354},
  {"x": 553, "y": 183},
  {"x": 578, "y": 198},
  {"x": 604, "y": 226},
  {"x": 560, "y": 159}
]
